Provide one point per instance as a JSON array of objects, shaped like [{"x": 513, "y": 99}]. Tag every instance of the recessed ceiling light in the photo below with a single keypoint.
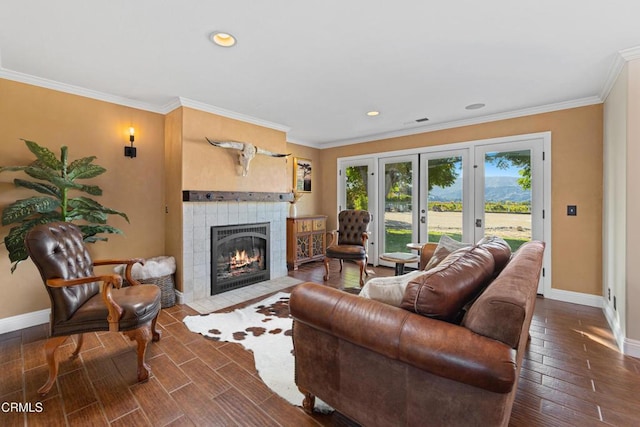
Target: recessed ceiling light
[
  {"x": 373, "y": 113},
  {"x": 223, "y": 39},
  {"x": 474, "y": 106}
]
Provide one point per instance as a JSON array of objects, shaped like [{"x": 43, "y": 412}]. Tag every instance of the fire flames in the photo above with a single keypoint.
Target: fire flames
[{"x": 241, "y": 259}]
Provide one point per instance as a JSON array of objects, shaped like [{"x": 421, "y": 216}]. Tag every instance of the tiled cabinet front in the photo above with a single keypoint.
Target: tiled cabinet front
[{"x": 306, "y": 239}]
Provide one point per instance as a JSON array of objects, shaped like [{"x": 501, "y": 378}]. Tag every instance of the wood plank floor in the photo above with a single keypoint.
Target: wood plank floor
[{"x": 572, "y": 375}]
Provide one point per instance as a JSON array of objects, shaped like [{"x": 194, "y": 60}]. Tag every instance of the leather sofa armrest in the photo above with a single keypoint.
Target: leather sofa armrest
[
  {"x": 426, "y": 253},
  {"x": 440, "y": 348}
]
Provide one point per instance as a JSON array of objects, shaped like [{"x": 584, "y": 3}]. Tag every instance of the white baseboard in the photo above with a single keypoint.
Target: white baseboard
[
  {"x": 575, "y": 297},
  {"x": 180, "y": 298},
  {"x": 627, "y": 346},
  {"x": 614, "y": 324},
  {"x": 631, "y": 347},
  {"x": 21, "y": 321}
]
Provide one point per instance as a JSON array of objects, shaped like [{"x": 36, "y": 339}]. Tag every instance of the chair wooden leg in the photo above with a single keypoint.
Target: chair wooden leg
[
  {"x": 142, "y": 336},
  {"x": 309, "y": 400},
  {"x": 326, "y": 269},
  {"x": 155, "y": 333},
  {"x": 76, "y": 352},
  {"x": 363, "y": 268},
  {"x": 366, "y": 263},
  {"x": 50, "y": 351}
]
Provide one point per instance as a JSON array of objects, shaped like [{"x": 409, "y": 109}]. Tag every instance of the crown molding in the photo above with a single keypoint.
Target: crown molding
[
  {"x": 171, "y": 105},
  {"x": 304, "y": 143},
  {"x": 582, "y": 102},
  {"x": 622, "y": 57},
  {"x": 77, "y": 90},
  {"x": 631, "y": 53},
  {"x": 190, "y": 103},
  {"x": 127, "y": 102}
]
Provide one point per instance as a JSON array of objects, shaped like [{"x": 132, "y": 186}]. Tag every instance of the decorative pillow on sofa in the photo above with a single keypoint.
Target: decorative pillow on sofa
[
  {"x": 446, "y": 245},
  {"x": 500, "y": 250},
  {"x": 442, "y": 291},
  {"x": 388, "y": 290}
]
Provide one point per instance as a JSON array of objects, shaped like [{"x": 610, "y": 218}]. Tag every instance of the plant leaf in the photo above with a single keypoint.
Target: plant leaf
[
  {"x": 63, "y": 160},
  {"x": 14, "y": 241},
  {"x": 45, "y": 155},
  {"x": 23, "y": 208},
  {"x": 90, "y": 231},
  {"x": 38, "y": 170},
  {"x": 80, "y": 163},
  {"x": 39, "y": 187},
  {"x": 94, "y": 190},
  {"x": 12, "y": 168},
  {"x": 84, "y": 203},
  {"x": 83, "y": 171}
]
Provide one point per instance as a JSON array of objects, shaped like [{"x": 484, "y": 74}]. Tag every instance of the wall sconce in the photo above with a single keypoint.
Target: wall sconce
[{"x": 130, "y": 151}]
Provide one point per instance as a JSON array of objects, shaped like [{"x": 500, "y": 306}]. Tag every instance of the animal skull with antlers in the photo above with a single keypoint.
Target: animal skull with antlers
[{"x": 247, "y": 152}]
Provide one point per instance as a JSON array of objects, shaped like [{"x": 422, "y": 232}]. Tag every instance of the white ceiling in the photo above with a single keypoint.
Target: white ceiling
[{"x": 317, "y": 67}]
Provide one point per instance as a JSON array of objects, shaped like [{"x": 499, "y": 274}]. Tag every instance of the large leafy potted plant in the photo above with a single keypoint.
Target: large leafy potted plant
[{"x": 55, "y": 179}]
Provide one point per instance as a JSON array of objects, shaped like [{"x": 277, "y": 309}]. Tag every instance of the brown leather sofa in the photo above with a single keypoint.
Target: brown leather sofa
[{"x": 381, "y": 365}]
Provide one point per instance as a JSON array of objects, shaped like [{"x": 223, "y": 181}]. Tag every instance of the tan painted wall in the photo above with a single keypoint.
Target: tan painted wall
[
  {"x": 211, "y": 168},
  {"x": 88, "y": 127},
  {"x": 310, "y": 203},
  {"x": 576, "y": 179},
  {"x": 173, "y": 189},
  {"x": 633, "y": 203}
]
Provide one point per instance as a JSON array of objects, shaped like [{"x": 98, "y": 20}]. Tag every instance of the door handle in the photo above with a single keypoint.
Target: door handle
[
  {"x": 478, "y": 222},
  {"x": 423, "y": 219}
]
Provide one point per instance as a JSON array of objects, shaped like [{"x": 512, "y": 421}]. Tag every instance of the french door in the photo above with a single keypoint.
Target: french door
[
  {"x": 358, "y": 191},
  {"x": 509, "y": 192},
  {"x": 398, "y": 224},
  {"x": 494, "y": 187}
]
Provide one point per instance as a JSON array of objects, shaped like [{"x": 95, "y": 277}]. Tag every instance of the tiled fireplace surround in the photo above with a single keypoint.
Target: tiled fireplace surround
[{"x": 199, "y": 217}]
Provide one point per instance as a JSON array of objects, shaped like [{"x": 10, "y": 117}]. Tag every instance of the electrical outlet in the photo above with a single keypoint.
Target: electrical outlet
[{"x": 609, "y": 293}]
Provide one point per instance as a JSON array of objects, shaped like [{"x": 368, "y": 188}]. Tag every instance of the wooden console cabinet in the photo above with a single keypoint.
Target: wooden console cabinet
[{"x": 306, "y": 239}]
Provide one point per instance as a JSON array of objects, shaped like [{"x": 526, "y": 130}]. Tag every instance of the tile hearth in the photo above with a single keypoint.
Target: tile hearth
[{"x": 236, "y": 296}]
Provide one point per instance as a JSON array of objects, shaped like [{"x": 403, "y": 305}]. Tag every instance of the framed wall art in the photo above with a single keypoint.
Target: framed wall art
[{"x": 302, "y": 174}]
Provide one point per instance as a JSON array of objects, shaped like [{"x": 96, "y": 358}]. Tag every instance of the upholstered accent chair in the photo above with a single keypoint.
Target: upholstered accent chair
[
  {"x": 349, "y": 241},
  {"x": 82, "y": 301}
]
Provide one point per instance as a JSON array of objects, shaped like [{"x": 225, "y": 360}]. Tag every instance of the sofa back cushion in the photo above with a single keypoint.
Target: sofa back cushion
[
  {"x": 500, "y": 311},
  {"x": 500, "y": 250},
  {"x": 442, "y": 291}
]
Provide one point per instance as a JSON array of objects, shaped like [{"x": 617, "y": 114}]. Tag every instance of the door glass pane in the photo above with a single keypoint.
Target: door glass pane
[
  {"x": 507, "y": 196},
  {"x": 398, "y": 205},
  {"x": 444, "y": 198},
  {"x": 357, "y": 187}
]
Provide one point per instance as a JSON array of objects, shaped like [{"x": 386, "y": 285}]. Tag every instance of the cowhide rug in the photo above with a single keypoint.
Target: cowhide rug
[{"x": 265, "y": 329}]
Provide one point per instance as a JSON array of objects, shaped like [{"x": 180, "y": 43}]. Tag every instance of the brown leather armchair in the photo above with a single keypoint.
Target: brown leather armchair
[
  {"x": 79, "y": 303},
  {"x": 350, "y": 242}
]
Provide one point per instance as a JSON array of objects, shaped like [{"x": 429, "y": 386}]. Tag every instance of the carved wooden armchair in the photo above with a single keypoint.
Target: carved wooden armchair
[
  {"x": 349, "y": 241},
  {"x": 79, "y": 303}
]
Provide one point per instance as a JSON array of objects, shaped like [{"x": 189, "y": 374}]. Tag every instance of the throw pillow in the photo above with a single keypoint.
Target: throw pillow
[
  {"x": 388, "y": 290},
  {"x": 442, "y": 291},
  {"x": 446, "y": 245}
]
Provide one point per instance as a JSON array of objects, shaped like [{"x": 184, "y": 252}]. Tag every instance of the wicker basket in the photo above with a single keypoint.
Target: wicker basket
[{"x": 167, "y": 289}]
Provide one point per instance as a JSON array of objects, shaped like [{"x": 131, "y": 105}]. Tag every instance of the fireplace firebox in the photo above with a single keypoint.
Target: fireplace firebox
[{"x": 239, "y": 256}]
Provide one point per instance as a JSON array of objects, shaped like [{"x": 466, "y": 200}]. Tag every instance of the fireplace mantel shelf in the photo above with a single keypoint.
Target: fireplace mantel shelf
[{"x": 234, "y": 196}]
